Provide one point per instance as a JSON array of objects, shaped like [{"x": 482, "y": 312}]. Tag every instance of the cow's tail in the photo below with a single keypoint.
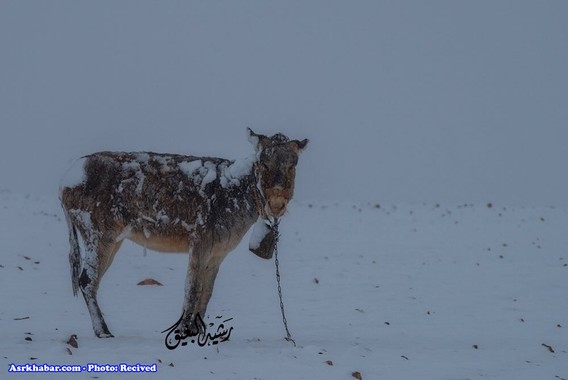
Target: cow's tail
[{"x": 74, "y": 253}]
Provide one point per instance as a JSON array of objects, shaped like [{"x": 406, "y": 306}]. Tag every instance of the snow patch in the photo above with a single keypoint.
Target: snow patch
[
  {"x": 142, "y": 157},
  {"x": 259, "y": 231},
  {"x": 164, "y": 161},
  {"x": 135, "y": 167},
  {"x": 231, "y": 175},
  {"x": 84, "y": 218},
  {"x": 163, "y": 217},
  {"x": 210, "y": 175},
  {"x": 75, "y": 175},
  {"x": 202, "y": 173},
  {"x": 124, "y": 234},
  {"x": 189, "y": 168},
  {"x": 188, "y": 227},
  {"x": 253, "y": 140}
]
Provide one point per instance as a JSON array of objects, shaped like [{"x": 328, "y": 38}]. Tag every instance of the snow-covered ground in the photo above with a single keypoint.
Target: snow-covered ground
[{"x": 401, "y": 291}]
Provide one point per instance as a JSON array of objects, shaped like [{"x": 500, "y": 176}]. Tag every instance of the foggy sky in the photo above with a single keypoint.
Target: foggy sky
[{"x": 439, "y": 101}]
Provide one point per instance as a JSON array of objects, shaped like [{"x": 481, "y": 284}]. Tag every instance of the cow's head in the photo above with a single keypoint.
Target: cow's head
[{"x": 277, "y": 157}]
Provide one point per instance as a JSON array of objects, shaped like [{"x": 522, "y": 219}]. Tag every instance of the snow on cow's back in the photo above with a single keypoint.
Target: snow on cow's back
[
  {"x": 200, "y": 169},
  {"x": 233, "y": 173}
]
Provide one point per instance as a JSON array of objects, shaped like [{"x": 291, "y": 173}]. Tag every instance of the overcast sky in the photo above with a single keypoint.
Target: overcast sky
[{"x": 444, "y": 101}]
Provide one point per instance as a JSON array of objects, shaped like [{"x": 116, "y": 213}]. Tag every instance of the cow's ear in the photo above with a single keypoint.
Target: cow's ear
[
  {"x": 299, "y": 146},
  {"x": 257, "y": 140}
]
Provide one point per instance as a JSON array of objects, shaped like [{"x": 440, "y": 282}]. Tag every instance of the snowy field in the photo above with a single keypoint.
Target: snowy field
[
  {"x": 405, "y": 291},
  {"x": 406, "y": 101}
]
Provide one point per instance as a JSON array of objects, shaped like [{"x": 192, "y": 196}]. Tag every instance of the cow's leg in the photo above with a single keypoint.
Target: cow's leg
[
  {"x": 194, "y": 284},
  {"x": 209, "y": 275},
  {"x": 99, "y": 254}
]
